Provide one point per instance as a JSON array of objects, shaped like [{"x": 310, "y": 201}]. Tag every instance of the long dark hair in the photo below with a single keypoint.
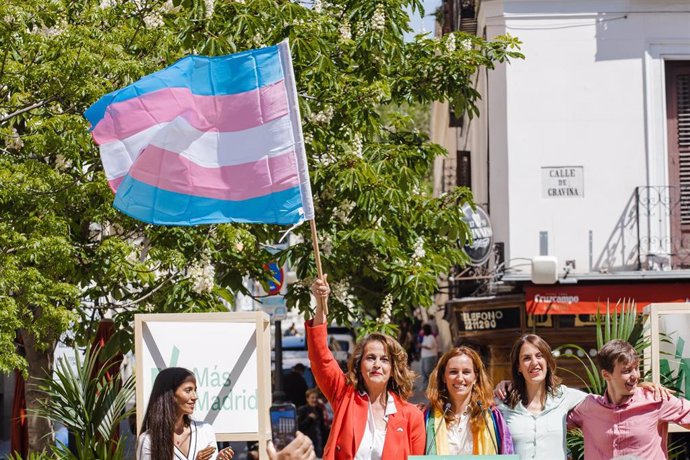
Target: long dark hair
[
  {"x": 161, "y": 412},
  {"x": 518, "y": 391}
]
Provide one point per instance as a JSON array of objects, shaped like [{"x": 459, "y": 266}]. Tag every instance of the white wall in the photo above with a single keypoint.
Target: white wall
[{"x": 586, "y": 95}]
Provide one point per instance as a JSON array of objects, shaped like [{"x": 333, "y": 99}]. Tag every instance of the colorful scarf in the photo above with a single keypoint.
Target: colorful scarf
[{"x": 493, "y": 438}]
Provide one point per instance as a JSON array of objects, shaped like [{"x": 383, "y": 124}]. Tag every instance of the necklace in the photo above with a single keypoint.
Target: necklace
[{"x": 180, "y": 438}]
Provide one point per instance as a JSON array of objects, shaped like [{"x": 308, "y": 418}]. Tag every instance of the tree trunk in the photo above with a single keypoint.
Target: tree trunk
[{"x": 40, "y": 362}]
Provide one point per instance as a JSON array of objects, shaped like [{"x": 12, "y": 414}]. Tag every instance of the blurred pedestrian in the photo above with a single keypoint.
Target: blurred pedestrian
[
  {"x": 295, "y": 386},
  {"x": 310, "y": 420},
  {"x": 428, "y": 354}
]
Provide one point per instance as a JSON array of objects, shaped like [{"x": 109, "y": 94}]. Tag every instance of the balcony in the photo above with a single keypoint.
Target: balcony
[{"x": 663, "y": 227}]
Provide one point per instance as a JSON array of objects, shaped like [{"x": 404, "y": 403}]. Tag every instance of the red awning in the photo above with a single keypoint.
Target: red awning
[{"x": 562, "y": 299}]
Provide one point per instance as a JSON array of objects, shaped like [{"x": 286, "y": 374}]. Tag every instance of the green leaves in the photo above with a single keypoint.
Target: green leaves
[
  {"x": 66, "y": 256},
  {"x": 90, "y": 403}
]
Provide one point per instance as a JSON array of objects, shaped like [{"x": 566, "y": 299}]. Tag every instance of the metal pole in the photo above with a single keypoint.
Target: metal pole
[{"x": 278, "y": 340}]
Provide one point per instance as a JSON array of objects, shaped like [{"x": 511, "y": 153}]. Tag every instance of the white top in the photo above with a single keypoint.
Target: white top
[
  {"x": 429, "y": 341},
  {"x": 371, "y": 447},
  {"x": 202, "y": 436},
  {"x": 542, "y": 436},
  {"x": 460, "y": 436}
]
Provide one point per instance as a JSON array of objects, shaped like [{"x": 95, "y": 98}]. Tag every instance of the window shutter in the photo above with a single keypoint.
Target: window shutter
[{"x": 683, "y": 144}]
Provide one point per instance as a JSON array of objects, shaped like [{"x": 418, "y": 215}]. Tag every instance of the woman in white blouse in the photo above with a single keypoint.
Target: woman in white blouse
[{"x": 168, "y": 432}]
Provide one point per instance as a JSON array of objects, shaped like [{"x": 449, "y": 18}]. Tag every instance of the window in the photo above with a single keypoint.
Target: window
[{"x": 678, "y": 122}]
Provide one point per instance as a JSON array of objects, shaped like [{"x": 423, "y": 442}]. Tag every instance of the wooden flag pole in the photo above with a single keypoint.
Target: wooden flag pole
[{"x": 317, "y": 259}]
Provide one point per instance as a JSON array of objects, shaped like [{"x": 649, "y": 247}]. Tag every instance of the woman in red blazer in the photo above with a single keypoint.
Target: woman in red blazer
[{"x": 371, "y": 418}]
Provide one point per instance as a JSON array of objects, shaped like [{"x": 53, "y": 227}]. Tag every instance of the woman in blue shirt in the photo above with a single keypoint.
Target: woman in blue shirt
[{"x": 537, "y": 404}]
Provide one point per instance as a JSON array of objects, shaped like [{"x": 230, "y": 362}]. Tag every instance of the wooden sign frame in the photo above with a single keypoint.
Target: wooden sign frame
[
  {"x": 195, "y": 322},
  {"x": 654, "y": 311}
]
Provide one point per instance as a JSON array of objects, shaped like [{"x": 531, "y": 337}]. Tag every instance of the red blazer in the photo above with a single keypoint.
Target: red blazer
[{"x": 405, "y": 434}]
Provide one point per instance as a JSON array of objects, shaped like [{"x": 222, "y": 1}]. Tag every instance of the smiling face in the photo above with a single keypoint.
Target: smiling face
[
  {"x": 185, "y": 397},
  {"x": 533, "y": 365},
  {"x": 622, "y": 382},
  {"x": 459, "y": 378},
  {"x": 312, "y": 399},
  {"x": 376, "y": 365}
]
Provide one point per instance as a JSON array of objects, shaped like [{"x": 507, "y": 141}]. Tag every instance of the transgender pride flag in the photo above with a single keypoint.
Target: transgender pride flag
[{"x": 208, "y": 140}]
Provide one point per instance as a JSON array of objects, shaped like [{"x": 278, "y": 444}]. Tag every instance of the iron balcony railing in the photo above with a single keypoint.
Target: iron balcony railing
[{"x": 663, "y": 227}]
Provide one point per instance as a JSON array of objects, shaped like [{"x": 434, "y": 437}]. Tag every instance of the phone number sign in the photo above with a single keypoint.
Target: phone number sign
[{"x": 490, "y": 319}]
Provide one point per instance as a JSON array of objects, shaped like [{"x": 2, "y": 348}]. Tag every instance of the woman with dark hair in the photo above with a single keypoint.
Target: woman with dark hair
[
  {"x": 372, "y": 418},
  {"x": 168, "y": 432},
  {"x": 537, "y": 404},
  {"x": 461, "y": 418}
]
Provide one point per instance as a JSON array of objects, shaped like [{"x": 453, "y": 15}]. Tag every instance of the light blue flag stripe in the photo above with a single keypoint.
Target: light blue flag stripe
[
  {"x": 203, "y": 75},
  {"x": 161, "y": 207}
]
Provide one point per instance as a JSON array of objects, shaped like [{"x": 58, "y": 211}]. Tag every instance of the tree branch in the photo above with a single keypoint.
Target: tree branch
[{"x": 27, "y": 109}]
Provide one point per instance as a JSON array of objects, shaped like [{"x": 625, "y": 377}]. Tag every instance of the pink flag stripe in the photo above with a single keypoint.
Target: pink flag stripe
[
  {"x": 206, "y": 148},
  {"x": 115, "y": 183},
  {"x": 234, "y": 112},
  {"x": 172, "y": 172}
]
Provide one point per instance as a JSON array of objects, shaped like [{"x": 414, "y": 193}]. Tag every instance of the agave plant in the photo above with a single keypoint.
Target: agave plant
[
  {"x": 622, "y": 323},
  {"x": 89, "y": 403}
]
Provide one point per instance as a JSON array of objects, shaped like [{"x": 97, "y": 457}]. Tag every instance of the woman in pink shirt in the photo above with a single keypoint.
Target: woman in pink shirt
[{"x": 371, "y": 418}]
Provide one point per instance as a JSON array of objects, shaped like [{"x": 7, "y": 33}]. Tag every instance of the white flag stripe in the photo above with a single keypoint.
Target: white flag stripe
[{"x": 205, "y": 148}]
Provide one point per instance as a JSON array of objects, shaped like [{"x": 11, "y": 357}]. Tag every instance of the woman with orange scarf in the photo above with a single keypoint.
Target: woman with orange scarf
[{"x": 461, "y": 418}]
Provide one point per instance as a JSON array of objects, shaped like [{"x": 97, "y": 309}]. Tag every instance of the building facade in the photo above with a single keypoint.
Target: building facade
[{"x": 581, "y": 153}]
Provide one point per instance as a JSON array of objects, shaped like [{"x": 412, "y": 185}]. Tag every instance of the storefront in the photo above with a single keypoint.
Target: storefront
[{"x": 562, "y": 314}]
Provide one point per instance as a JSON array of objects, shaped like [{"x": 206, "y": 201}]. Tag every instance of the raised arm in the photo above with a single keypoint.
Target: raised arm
[
  {"x": 327, "y": 373},
  {"x": 321, "y": 290}
]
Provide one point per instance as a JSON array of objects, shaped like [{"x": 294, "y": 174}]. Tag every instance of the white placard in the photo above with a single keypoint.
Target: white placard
[
  {"x": 562, "y": 182},
  {"x": 229, "y": 353},
  {"x": 669, "y": 333}
]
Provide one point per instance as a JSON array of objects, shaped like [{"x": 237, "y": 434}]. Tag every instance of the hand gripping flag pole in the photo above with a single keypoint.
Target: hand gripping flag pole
[{"x": 208, "y": 140}]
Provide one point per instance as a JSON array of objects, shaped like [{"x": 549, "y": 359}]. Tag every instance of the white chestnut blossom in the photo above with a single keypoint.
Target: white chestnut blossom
[
  {"x": 62, "y": 163},
  {"x": 153, "y": 20},
  {"x": 209, "y": 7},
  {"x": 107, "y": 4},
  {"x": 386, "y": 309},
  {"x": 326, "y": 159},
  {"x": 323, "y": 117},
  {"x": 345, "y": 32},
  {"x": 357, "y": 145},
  {"x": 450, "y": 43},
  {"x": 202, "y": 275},
  {"x": 419, "y": 252},
  {"x": 327, "y": 246},
  {"x": 317, "y": 7},
  {"x": 340, "y": 291},
  {"x": 466, "y": 44},
  {"x": 342, "y": 212},
  {"x": 378, "y": 20}
]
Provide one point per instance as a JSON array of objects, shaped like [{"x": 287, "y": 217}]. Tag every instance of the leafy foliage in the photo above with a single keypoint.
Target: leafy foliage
[
  {"x": 91, "y": 403},
  {"x": 67, "y": 256}
]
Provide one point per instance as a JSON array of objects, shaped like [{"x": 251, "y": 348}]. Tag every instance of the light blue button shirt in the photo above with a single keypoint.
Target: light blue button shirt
[{"x": 542, "y": 436}]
